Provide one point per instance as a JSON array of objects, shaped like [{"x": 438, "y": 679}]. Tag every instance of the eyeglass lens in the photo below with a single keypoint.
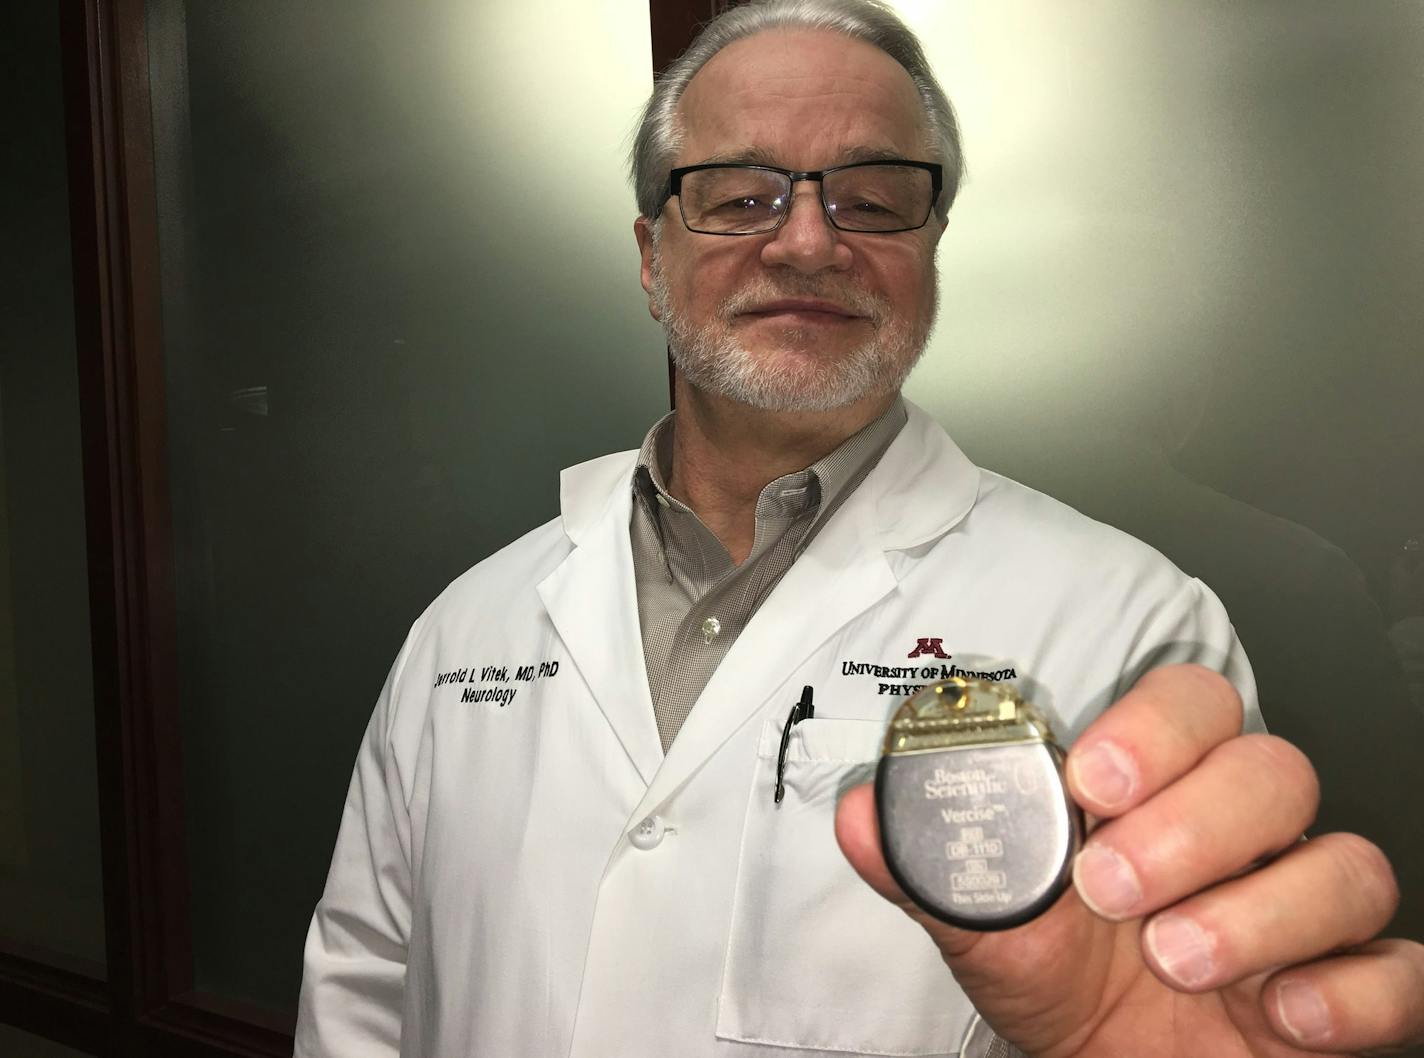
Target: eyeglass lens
[{"x": 736, "y": 201}]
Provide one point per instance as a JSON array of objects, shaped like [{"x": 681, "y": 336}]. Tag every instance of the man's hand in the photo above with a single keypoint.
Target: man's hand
[{"x": 1198, "y": 924}]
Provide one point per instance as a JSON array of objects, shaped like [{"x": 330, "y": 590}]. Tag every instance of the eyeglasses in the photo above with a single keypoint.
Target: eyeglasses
[{"x": 738, "y": 199}]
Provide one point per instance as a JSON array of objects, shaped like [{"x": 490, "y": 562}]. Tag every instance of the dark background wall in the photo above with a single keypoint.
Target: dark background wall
[{"x": 50, "y": 885}]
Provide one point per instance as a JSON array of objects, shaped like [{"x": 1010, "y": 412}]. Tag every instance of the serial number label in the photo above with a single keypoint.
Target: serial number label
[
  {"x": 963, "y": 850},
  {"x": 976, "y": 877}
]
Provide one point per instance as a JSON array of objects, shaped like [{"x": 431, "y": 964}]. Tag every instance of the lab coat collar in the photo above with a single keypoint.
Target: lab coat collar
[{"x": 921, "y": 488}]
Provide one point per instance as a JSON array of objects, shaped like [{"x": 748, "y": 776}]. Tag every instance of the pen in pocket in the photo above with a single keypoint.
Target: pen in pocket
[{"x": 802, "y": 710}]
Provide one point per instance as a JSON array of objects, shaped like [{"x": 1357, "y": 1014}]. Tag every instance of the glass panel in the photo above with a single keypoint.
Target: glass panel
[
  {"x": 400, "y": 293},
  {"x": 51, "y": 889},
  {"x": 1181, "y": 292}
]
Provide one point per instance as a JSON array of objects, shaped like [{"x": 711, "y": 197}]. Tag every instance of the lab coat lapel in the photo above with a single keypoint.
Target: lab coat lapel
[
  {"x": 921, "y": 488},
  {"x": 841, "y": 575},
  {"x": 591, "y": 597}
]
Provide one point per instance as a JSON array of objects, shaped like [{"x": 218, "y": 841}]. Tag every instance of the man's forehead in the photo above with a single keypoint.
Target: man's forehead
[
  {"x": 845, "y": 153},
  {"x": 786, "y": 91}
]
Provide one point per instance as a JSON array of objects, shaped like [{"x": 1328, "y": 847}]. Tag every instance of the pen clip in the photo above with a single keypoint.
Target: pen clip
[{"x": 802, "y": 710}]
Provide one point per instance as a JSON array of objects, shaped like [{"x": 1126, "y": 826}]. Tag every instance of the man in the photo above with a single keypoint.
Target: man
[{"x": 561, "y": 836}]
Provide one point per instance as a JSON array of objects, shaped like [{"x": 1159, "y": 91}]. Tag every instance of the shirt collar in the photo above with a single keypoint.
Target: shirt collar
[
  {"x": 654, "y": 463},
  {"x": 822, "y": 486}
]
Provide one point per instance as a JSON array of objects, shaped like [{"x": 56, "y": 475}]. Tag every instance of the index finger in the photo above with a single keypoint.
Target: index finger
[{"x": 1152, "y": 736}]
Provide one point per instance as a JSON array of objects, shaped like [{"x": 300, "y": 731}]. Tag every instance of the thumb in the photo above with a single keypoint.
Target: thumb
[{"x": 858, "y": 834}]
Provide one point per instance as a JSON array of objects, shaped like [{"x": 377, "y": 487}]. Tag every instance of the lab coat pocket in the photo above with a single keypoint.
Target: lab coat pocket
[{"x": 816, "y": 959}]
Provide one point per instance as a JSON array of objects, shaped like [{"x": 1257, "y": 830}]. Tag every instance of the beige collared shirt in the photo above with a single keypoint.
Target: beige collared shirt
[{"x": 693, "y": 600}]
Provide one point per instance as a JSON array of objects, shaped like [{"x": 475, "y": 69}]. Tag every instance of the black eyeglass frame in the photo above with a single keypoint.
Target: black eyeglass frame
[{"x": 935, "y": 170}]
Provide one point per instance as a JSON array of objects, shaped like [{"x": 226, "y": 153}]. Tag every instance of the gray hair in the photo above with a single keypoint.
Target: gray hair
[{"x": 660, "y": 131}]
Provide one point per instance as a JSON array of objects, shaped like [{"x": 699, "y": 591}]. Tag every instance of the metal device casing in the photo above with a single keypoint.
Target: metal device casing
[{"x": 975, "y": 818}]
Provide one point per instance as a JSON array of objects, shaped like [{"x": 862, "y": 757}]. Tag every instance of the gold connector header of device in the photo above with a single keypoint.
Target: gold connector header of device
[{"x": 964, "y": 712}]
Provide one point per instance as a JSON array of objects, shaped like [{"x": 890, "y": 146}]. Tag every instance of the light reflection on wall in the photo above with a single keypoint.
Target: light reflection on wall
[
  {"x": 556, "y": 165},
  {"x": 1098, "y": 240},
  {"x": 1198, "y": 226}
]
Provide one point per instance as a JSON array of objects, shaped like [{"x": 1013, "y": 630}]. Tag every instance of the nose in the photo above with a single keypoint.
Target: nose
[{"x": 806, "y": 241}]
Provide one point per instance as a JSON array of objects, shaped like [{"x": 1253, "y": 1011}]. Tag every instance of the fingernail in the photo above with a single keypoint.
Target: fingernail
[
  {"x": 1182, "y": 949},
  {"x": 1106, "y": 882},
  {"x": 1105, "y": 773},
  {"x": 1302, "y": 1011}
]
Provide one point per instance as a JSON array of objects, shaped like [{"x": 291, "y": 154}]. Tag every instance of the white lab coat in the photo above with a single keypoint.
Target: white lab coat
[{"x": 528, "y": 876}]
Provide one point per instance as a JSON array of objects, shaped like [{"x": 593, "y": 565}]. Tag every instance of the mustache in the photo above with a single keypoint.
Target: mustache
[{"x": 766, "y": 289}]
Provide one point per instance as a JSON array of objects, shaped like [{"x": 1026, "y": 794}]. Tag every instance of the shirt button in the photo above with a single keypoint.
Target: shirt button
[
  {"x": 711, "y": 629},
  {"x": 648, "y": 834},
  {"x": 662, "y": 500}
]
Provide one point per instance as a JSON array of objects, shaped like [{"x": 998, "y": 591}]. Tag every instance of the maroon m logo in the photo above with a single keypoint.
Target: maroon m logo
[{"x": 928, "y": 646}]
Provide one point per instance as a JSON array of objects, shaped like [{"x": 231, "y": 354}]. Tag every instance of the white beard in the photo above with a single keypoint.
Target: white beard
[{"x": 713, "y": 359}]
